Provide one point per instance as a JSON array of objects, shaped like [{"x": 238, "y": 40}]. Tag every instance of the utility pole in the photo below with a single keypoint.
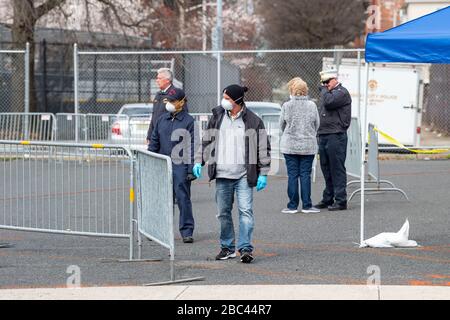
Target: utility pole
[
  {"x": 182, "y": 22},
  {"x": 217, "y": 32},
  {"x": 204, "y": 25},
  {"x": 217, "y": 46}
]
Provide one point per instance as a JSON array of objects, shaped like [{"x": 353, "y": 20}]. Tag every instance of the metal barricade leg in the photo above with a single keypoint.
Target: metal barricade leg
[
  {"x": 152, "y": 193},
  {"x": 379, "y": 190},
  {"x": 62, "y": 188}
]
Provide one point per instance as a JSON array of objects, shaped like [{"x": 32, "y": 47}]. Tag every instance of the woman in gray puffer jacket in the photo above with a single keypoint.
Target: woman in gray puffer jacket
[{"x": 299, "y": 122}]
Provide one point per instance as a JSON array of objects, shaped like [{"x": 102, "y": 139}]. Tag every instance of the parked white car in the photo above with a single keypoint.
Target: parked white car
[
  {"x": 269, "y": 112},
  {"x": 131, "y": 125},
  {"x": 262, "y": 108}
]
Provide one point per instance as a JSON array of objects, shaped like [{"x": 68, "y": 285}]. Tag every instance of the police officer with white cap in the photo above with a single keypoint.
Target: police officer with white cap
[{"x": 335, "y": 115}]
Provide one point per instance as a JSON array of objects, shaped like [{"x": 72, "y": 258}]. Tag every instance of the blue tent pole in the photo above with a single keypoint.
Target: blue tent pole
[{"x": 363, "y": 151}]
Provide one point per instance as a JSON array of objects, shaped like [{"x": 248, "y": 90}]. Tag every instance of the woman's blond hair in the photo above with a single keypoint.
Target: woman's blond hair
[{"x": 298, "y": 87}]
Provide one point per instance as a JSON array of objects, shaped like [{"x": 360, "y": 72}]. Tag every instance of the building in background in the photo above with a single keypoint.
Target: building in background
[
  {"x": 413, "y": 9},
  {"x": 390, "y": 14},
  {"x": 386, "y": 14}
]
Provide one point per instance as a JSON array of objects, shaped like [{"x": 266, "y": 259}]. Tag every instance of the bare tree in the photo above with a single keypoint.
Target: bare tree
[
  {"x": 312, "y": 24},
  {"x": 180, "y": 23},
  {"x": 115, "y": 14},
  {"x": 295, "y": 24}
]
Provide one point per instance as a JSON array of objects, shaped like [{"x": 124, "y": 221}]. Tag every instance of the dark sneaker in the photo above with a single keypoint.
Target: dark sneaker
[
  {"x": 337, "y": 207},
  {"x": 188, "y": 240},
  {"x": 246, "y": 256},
  {"x": 226, "y": 254},
  {"x": 322, "y": 205}
]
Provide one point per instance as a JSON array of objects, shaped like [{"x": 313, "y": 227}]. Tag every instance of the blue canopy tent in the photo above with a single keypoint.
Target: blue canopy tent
[{"x": 423, "y": 40}]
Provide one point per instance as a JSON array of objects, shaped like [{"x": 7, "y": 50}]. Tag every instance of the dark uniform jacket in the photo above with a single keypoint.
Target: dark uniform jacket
[
  {"x": 161, "y": 139},
  {"x": 257, "y": 162},
  {"x": 159, "y": 107},
  {"x": 335, "y": 110}
]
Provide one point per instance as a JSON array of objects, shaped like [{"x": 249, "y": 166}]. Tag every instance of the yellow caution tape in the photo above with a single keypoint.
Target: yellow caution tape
[
  {"x": 97, "y": 146},
  {"x": 25, "y": 142},
  {"x": 131, "y": 195},
  {"x": 399, "y": 144}
]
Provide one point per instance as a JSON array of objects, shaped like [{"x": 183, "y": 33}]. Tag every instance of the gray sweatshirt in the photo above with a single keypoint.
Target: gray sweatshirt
[
  {"x": 230, "y": 153},
  {"x": 299, "y": 122}
]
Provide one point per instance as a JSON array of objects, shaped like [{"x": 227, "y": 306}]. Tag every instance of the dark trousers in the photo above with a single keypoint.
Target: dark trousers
[
  {"x": 333, "y": 151},
  {"x": 299, "y": 167},
  {"x": 182, "y": 192}
]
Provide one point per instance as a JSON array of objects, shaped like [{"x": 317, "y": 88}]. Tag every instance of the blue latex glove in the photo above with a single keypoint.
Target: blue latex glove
[
  {"x": 197, "y": 170},
  {"x": 262, "y": 183}
]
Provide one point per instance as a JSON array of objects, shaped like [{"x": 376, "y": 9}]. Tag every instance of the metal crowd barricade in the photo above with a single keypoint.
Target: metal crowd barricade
[
  {"x": 271, "y": 123},
  {"x": 67, "y": 189},
  {"x": 15, "y": 79},
  {"x": 154, "y": 202},
  {"x": 353, "y": 160},
  {"x": 135, "y": 131},
  {"x": 70, "y": 127},
  {"x": 86, "y": 128},
  {"x": 27, "y": 126},
  {"x": 201, "y": 120},
  {"x": 373, "y": 170},
  {"x": 103, "y": 128},
  {"x": 97, "y": 127}
]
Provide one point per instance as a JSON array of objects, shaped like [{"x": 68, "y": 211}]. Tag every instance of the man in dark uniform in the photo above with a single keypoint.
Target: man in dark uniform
[
  {"x": 164, "y": 80},
  {"x": 335, "y": 109},
  {"x": 175, "y": 130}
]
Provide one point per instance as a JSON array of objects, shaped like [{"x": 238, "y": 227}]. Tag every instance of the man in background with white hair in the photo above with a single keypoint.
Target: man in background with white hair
[
  {"x": 164, "y": 79},
  {"x": 335, "y": 110}
]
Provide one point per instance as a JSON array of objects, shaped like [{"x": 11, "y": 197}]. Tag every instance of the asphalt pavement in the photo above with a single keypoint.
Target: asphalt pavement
[{"x": 298, "y": 249}]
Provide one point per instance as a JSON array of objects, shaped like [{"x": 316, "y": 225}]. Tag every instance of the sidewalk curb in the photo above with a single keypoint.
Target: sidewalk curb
[{"x": 234, "y": 292}]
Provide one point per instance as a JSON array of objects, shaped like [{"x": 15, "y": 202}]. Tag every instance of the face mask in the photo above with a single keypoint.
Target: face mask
[
  {"x": 227, "y": 105},
  {"x": 170, "y": 107}
]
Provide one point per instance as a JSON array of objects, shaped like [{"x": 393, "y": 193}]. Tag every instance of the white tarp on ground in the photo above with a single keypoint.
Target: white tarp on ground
[{"x": 391, "y": 239}]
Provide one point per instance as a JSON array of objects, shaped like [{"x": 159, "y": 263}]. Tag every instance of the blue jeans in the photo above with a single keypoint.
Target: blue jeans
[
  {"x": 225, "y": 189},
  {"x": 299, "y": 167}
]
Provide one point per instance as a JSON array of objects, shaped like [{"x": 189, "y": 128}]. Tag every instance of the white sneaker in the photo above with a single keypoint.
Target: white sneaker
[
  {"x": 311, "y": 210},
  {"x": 287, "y": 210}
]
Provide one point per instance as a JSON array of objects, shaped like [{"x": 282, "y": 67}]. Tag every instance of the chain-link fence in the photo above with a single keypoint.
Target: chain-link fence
[
  {"x": 107, "y": 80},
  {"x": 53, "y": 77},
  {"x": 436, "y": 111},
  {"x": 14, "y": 79},
  {"x": 103, "y": 81}
]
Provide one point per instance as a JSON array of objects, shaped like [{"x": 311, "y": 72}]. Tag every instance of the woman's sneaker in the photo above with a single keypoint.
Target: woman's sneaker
[
  {"x": 291, "y": 211},
  {"x": 311, "y": 210},
  {"x": 225, "y": 254}
]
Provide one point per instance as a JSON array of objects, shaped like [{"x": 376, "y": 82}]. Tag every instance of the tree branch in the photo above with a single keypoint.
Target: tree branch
[
  {"x": 115, "y": 11},
  {"x": 47, "y": 6}
]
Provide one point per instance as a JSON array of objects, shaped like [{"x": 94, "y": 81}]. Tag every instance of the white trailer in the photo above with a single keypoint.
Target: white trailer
[{"x": 395, "y": 96}]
